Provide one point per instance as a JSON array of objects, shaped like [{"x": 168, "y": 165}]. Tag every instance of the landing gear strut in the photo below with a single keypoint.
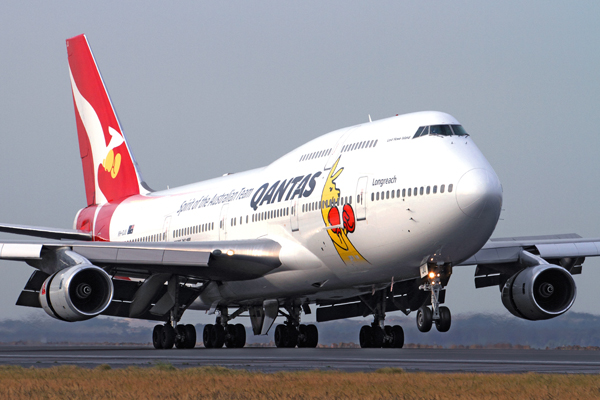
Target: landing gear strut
[
  {"x": 439, "y": 314},
  {"x": 292, "y": 333},
  {"x": 378, "y": 335}
]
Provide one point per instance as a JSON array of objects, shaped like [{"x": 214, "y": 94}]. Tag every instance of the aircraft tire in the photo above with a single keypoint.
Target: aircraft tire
[
  {"x": 280, "y": 335},
  {"x": 398, "y": 337},
  {"x": 443, "y": 324},
  {"x": 230, "y": 336},
  {"x": 388, "y": 343},
  {"x": 156, "y": 335},
  {"x": 366, "y": 337},
  {"x": 240, "y": 336},
  {"x": 167, "y": 338},
  {"x": 303, "y": 336},
  {"x": 190, "y": 336},
  {"x": 312, "y": 336},
  {"x": 207, "y": 335},
  {"x": 218, "y": 336},
  {"x": 424, "y": 319},
  {"x": 292, "y": 337},
  {"x": 180, "y": 337},
  {"x": 377, "y": 337}
]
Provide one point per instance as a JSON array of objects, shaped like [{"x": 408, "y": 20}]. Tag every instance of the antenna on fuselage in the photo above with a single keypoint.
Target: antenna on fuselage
[{"x": 370, "y": 118}]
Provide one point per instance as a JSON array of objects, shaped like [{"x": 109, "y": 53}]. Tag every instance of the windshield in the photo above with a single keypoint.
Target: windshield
[{"x": 441, "y": 130}]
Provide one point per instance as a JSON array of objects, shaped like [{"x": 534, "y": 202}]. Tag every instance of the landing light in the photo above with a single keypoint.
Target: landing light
[
  {"x": 432, "y": 275},
  {"x": 230, "y": 252}
]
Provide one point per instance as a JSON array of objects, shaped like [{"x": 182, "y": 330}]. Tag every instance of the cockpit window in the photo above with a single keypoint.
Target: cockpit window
[{"x": 441, "y": 130}]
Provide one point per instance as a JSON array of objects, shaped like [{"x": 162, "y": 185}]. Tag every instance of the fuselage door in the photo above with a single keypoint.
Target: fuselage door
[
  {"x": 361, "y": 198},
  {"x": 166, "y": 225},
  {"x": 294, "y": 215},
  {"x": 223, "y": 222}
]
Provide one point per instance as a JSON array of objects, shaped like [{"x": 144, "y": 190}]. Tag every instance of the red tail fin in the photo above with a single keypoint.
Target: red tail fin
[{"x": 109, "y": 169}]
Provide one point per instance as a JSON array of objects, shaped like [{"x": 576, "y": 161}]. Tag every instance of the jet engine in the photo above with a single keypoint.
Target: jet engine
[
  {"x": 540, "y": 292},
  {"x": 77, "y": 293}
]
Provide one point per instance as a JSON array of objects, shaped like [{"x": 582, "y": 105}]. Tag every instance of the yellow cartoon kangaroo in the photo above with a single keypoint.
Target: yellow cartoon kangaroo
[{"x": 339, "y": 236}]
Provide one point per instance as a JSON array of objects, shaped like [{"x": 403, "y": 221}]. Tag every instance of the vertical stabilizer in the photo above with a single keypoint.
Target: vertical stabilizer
[{"x": 109, "y": 169}]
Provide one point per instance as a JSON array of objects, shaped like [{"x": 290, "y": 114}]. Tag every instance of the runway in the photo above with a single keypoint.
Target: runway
[{"x": 273, "y": 359}]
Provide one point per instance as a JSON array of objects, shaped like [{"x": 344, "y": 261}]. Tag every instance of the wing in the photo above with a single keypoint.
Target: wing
[
  {"x": 165, "y": 273},
  {"x": 501, "y": 258},
  {"x": 216, "y": 260}
]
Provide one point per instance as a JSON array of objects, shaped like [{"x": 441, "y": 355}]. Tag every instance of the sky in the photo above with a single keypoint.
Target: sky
[{"x": 205, "y": 88}]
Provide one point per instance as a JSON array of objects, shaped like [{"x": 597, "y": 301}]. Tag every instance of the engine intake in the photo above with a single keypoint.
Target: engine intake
[
  {"x": 540, "y": 292},
  {"x": 77, "y": 293}
]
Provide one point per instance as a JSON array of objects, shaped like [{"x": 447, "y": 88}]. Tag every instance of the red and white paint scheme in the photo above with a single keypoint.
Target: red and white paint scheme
[{"x": 365, "y": 220}]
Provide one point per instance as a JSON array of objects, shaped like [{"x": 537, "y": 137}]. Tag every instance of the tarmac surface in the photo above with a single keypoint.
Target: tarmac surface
[{"x": 273, "y": 359}]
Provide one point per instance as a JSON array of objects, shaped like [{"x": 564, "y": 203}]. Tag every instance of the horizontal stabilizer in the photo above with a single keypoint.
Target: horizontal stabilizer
[{"x": 46, "y": 233}]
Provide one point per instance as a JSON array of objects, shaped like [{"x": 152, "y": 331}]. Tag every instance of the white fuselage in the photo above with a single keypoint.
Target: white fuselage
[{"x": 390, "y": 235}]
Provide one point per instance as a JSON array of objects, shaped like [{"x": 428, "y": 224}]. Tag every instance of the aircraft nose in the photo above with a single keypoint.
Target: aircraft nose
[{"x": 479, "y": 193}]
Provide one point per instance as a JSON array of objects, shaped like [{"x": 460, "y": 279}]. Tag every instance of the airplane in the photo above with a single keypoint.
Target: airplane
[{"x": 365, "y": 220}]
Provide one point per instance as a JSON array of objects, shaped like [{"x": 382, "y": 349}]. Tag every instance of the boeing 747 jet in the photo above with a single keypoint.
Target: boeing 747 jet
[{"x": 366, "y": 220}]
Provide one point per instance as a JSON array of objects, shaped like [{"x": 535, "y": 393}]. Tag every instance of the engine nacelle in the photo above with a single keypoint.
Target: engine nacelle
[
  {"x": 77, "y": 293},
  {"x": 541, "y": 292}
]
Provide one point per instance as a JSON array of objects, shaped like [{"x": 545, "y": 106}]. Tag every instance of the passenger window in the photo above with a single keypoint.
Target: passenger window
[
  {"x": 387, "y": 195},
  {"x": 350, "y": 199},
  {"x": 377, "y": 196},
  {"x": 442, "y": 188},
  {"x": 428, "y": 189},
  {"x": 415, "y": 191},
  {"x": 404, "y": 192},
  {"x": 375, "y": 144},
  {"x": 409, "y": 192},
  {"x": 372, "y": 196},
  {"x": 393, "y": 193},
  {"x": 434, "y": 189},
  {"x": 421, "y": 191},
  {"x": 450, "y": 186}
]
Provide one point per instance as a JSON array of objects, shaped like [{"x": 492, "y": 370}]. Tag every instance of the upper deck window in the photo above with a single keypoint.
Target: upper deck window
[{"x": 441, "y": 130}]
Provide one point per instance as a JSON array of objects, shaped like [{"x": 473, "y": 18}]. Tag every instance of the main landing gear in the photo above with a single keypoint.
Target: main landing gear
[
  {"x": 292, "y": 333},
  {"x": 378, "y": 335},
  {"x": 223, "y": 333},
  {"x": 439, "y": 314},
  {"x": 182, "y": 336}
]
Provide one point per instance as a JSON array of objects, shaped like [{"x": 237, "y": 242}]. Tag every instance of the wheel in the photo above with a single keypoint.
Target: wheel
[
  {"x": 366, "y": 337},
  {"x": 190, "y": 336},
  {"x": 180, "y": 337},
  {"x": 443, "y": 324},
  {"x": 302, "y": 336},
  {"x": 240, "y": 336},
  {"x": 389, "y": 339},
  {"x": 398, "y": 337},
  {"x": 292, "y": 337},
  {"x": 207, "y": 334},
  {"x": 424, "y": 319},
  {"x": 312, "y": 336},
  {"x": 378, "y": 336},
  {"x": 218, "y": 336},
  {"x": 167, "y": 338},
  {"x": 230, "y": 336},
  {"x": 156, "y": 335},
  {"x": 280, "y": 336}
]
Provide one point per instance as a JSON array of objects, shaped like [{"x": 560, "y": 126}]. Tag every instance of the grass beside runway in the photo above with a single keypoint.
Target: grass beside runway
[{"x": 166, "y": 382}]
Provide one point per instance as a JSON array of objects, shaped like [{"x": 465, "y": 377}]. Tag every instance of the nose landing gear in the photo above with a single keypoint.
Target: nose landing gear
[{"x": 439, "y": 314}]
